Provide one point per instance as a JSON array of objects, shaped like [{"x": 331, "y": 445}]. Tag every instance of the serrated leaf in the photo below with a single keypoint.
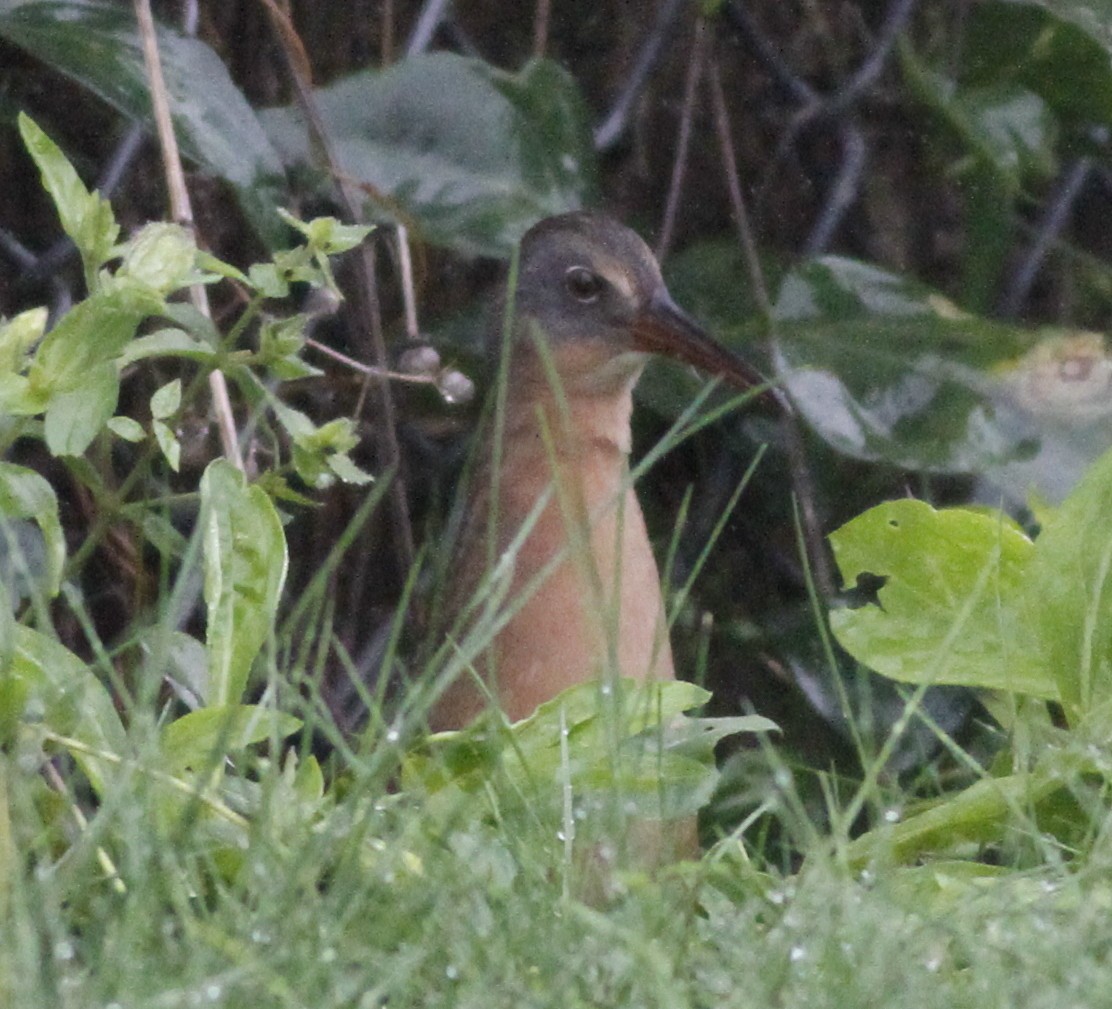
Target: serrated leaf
[
  {"x": 24, "y": 494},
  {"x": 245, "y": 561},
  {"x": 949, "y": 610}
]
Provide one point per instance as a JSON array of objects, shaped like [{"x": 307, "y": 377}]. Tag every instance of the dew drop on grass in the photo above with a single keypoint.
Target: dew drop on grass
[
  {"x": 451, "y": 972},
  {"x": 797, "y": 953},
  {"x": 393, "y": 736},
  {"x": 63, "y": 950},
  {"x": 328, "y": 955},
  {"x": 213, "y": 992},
  {"x": 891, "y": 816}
]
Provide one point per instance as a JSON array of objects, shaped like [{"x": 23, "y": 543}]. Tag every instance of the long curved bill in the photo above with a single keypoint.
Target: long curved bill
[{"x": 666, "y": 329}]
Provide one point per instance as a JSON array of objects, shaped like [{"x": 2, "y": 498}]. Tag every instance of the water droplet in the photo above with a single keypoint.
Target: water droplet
[
  {"x": 213, "y": 992},
  {"x": 891, "y": 816},
  {"x": 393, "y": 735},
  {"x": 455, "y": 387},
  {"x": 782, "y": 777},
  {"x": 328, "y": 955},
  {"x": 776, "y": 896},
  {"x": 561, "y": 836},
  {"x": 797, "y": 954},
  {"x": 260, "y": 936},
  {"x": 451, "y": 972},
  {"x": 63, "y": 950}
]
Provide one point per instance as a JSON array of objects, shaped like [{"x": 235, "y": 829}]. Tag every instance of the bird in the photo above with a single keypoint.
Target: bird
[{"x": 589, "y": 308}]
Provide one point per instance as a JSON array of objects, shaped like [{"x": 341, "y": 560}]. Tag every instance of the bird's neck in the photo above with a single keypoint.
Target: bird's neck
[{"x": 581, "y": 408}]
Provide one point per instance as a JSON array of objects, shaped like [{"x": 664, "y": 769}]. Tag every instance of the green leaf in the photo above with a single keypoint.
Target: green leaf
[
  {"x": 203, "y": 738},
  {"x": 18, "y": 335},
  {"x": 59, "y": 691},
  {"x": 886, "y": 370},
  {"x": 168, "y": 443},
  {"x": 94, "y": 331},
  {"x": 126, "y": 428},
  {"x": 1059, "y": 49},
  {"x": 97, "y": 44},
  {"x": 473, "y": 155},
  {"x": 26, "y": 495},
  {"x": 86, "y": 217},
  {"x": 950, "y": 608},
  {"x": 245, "y": 561},
  {"x": 162, "y": 256},
  {"x": 1069, "y": 591},
  {"x": 164, "y": 343},
  {"x": 75, "y": 418},
  {"x": 166, "y": 400}
]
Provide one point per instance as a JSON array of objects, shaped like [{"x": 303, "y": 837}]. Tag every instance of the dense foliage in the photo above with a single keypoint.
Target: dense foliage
[{"x": 226, "y": 502}]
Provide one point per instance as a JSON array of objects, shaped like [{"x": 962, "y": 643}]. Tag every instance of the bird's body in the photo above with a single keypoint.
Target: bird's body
[{"x": 590, "y": 305}]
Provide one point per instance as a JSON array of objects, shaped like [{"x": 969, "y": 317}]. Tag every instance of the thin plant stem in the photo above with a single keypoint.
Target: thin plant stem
[{"x": 182, "y": 211}]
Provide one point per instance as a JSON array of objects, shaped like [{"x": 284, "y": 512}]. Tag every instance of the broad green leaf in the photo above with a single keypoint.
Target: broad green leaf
[
  {"x": 203, "y": 738},
  {"x": 245, "y": 561},
  {"x": 59, "y": 691},
  {"x": 97, "y": 44},
  {"x": 74, "y": 418},
  {"x": 1058, "y": 49},
  {"x": 949, "y": 610},
  {"x": 473, "y": 155},
  {"x": 86, "y": 217},
  {"x": 885, "y": 369},
  {"x": 1068, "y": 594},
  {"x": 94, "y": 331},
  {"x": 26, "y": 495}
]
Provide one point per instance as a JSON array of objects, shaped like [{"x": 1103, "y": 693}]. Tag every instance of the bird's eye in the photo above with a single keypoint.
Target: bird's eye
[{"x": 583, "y": 284}]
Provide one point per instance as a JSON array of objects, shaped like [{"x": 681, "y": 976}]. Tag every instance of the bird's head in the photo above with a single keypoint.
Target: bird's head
[{"x": 591, "y": 289}]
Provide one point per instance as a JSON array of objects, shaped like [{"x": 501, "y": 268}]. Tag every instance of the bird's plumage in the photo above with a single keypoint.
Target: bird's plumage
[{"x": 589, "y": 306}]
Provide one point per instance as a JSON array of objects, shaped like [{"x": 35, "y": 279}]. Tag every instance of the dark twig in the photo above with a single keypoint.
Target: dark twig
[
  {"x": 733, "y": 186},
  {"x": 802, "y": 483},
  {"x": 683, "y": 141},
  {"x": 432, "y": 14},
  {"x": 842, "y": 192},
  {"x": 895, "y": 20},
  {"x": 1054, "y": 217},
  {"x": 610, "y": 130},
  {"x": 794, "y": 87}
]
